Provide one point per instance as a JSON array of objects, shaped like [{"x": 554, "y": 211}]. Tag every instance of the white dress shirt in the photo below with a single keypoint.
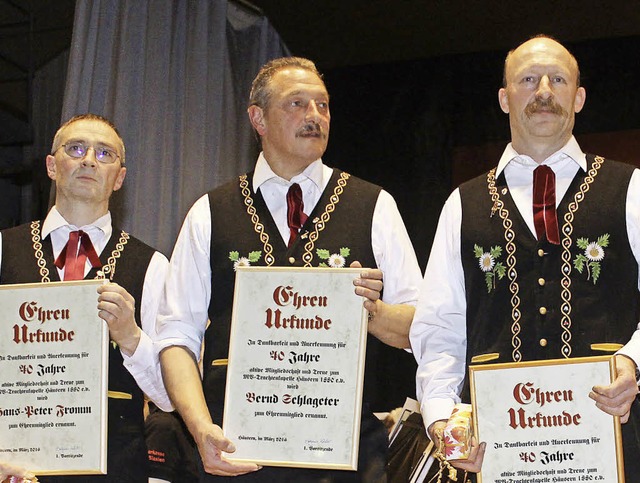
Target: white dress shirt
[
  {"x": 438, "y": 333},
  {"x": 143, "y": 363},
  {"x": 183, "y": 310}
]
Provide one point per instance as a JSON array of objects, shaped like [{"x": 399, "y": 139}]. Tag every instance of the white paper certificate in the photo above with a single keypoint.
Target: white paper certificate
[
  {"x": 296, "y": 367},
  {"x": 53, "y": 391},
  {"x": 540, "y": 424}
]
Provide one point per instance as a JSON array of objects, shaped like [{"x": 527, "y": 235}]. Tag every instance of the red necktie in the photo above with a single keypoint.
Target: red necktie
[
  {"x": 295, "y": 213},
  {"x": 74, "y": 259},
  {"x": 544, "y": 204}
]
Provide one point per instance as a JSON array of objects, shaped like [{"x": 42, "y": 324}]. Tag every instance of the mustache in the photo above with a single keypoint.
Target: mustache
[
  {"x": 310, "y": 128},
  {"x": 544, "y": 105}
]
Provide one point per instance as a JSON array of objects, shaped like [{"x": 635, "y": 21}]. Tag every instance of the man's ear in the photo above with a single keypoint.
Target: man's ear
[
  {"x": 120, "y": 179},
  {"x": 51, "y": 166},
  {"x": 256, "y": 116},
  {"x": 581, "y": 97},
  {"x": 503, "y": 100}
]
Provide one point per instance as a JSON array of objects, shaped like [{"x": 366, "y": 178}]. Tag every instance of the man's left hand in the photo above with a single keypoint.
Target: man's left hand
[
  {"x": 369, "y": 286},
  {"x": 617, "y": 397},
  {"x": 116, "y": 307}
]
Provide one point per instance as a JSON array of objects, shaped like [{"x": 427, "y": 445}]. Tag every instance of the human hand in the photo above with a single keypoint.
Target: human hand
[
  {"x": 15, "y": 474},
  {"x": 368, "y": 285},
  {"x": 211, "y": 443},
  {"x": 617, "y": 397},
  {"x": 116, "y": 307},
  {"x": 473, "y": 464}
]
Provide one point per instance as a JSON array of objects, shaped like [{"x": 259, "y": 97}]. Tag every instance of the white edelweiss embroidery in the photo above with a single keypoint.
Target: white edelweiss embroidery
[
  {"x": 594, "y": 252},
  {"x": 241, "y": 262},
  {"x": 493, "y": 270},
  {"x": 589, "y": 260},
  {"x": 336, "y": 261},
  {"x": 333, "y": 260},
  {"x": 486, "y": 262}
]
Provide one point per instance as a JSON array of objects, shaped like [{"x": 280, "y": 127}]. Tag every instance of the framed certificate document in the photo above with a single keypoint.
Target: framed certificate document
[
  {"x": 296, "y": 367},
  {"x": 540, "y": 424},
  {"x": 53, "y": 392}
]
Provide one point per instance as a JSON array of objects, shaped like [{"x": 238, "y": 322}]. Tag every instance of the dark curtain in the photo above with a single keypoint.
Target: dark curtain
[{"x": 174, "y": 76}]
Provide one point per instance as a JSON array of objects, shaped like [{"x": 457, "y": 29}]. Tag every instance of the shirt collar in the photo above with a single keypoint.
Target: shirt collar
[
  {"x": 55, "y": 220},
  {"x": 571, "y": 149},
  {"x": 263, "y": 173}
]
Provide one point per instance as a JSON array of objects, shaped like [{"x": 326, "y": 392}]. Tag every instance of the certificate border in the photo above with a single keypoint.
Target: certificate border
[
  {"x": 610, "y": 360},
  {"x": 104, "y": 375},
  {"x": 362, "y": 340}
]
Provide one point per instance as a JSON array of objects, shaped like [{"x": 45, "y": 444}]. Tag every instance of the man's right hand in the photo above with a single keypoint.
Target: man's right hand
[
  {"x": 473, "y": 464},
  {"x": 211, "y": 443}
]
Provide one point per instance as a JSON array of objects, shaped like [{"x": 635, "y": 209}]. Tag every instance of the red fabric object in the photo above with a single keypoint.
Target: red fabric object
[
  {"x": 545, "y": 218},
  {"x": 73, "y": 259},
  {"x": 295, "y": 214}
]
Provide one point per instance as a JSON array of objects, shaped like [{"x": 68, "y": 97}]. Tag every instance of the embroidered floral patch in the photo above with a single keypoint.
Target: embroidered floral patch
[
  {"x": 239, "y": 261},
  {"x": 333, "y": 260},
  {"x": 590, "y": 259},
  {"x": 493, "y": 269}
]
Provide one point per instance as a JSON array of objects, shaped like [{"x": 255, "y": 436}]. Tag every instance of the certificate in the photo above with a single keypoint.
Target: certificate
[
  {"x": 296, "y": 367},
  {"x": 53, "y": 392},
  {"x": 540, "y": 424}
]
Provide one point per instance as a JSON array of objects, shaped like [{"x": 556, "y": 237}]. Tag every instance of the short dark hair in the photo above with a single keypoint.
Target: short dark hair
[
  {"x": 260, "y": 92},
  {"x": 538, "y": 36},
  {"x": 87, "y": 117}
]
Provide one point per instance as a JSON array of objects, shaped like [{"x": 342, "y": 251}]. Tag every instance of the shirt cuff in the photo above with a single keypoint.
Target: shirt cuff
[
  {"x": 435, "y": 410},
  {"x": 144, "y": 366},
  {"x": 632, "y": 350}
]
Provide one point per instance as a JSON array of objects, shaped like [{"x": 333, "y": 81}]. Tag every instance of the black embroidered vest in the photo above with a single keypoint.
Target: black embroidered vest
[
  {"x": 529, "y": 300},
  {"x": 241, "y": 222},
  {"x": 19, "y": 265}
]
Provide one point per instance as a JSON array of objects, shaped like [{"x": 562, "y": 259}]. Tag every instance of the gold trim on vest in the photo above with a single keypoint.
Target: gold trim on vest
[
  {"x": 485, "y": 358},
  {"x": 567, "y": 231},
  {"x": 512, "y": 273},
  {"x": 37, "y": 249},
  {"x": 108, "y": 269},
  {"x": 606, "y": 347},
  {"x": 321, "y": 222},
  {"x": 255, "y": 219}
]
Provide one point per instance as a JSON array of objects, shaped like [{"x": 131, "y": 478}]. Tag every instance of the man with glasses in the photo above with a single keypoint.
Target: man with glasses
[{"x": 87, "y": 163}]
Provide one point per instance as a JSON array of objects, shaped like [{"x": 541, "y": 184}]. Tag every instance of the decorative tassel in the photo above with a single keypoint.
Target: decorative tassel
[{"x": 445, "y": 465}]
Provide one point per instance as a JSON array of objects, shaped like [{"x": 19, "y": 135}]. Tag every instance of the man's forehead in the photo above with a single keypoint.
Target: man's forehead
[
  {"x": 293, "y": 81},
  {"x": 90, "y": 129},
  {"x": 541, "y": 52}
]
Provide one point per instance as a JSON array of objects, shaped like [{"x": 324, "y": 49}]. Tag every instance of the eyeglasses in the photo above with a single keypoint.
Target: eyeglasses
[{"x": 79, "y": 150}]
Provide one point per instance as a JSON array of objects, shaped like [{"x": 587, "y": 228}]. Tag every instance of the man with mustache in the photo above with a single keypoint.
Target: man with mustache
[
  {"x": 289, "y": 110},
  {"x": 507, "y": 279}
]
